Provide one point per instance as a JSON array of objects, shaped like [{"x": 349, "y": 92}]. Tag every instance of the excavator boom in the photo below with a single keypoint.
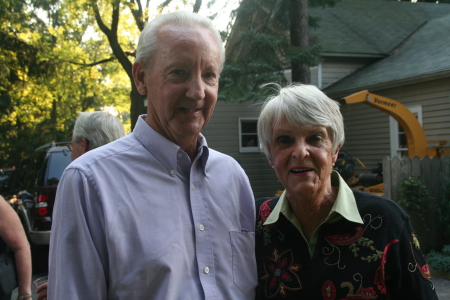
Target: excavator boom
[{"x": 415, "y": 136}]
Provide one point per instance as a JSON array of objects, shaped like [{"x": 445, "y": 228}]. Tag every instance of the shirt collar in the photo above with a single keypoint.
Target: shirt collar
[
  {"x": 163, "y": 149},
  {"x": 345, "y": 205}
]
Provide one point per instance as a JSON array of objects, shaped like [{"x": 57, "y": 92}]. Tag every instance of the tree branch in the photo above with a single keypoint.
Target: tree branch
[
  {"x": 98, "y": 18},
  {"x": 115, "y": 16},
  {"x": 197, "y": 5},
  {"x": 111, "y": 34},
  {"x": 137, "y": 13}
]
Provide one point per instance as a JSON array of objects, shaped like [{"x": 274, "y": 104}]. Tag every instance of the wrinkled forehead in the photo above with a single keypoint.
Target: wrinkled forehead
[
  {"x": 176, "y": 33},
  {"x": 175, "y": 39}
]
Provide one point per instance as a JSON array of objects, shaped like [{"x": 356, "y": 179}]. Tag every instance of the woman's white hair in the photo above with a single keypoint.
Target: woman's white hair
[
  {"x": 98, "y": 127},
  {"x": 300, "y": 105},
  {"x": 148, "y": 40}
]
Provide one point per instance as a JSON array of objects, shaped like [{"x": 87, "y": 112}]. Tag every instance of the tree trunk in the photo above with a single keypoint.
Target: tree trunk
[
  {"x": 137, "y": 107},
  {"x": 299, "y": 38}
]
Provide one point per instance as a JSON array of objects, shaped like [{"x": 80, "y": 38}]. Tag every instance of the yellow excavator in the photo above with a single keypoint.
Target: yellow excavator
[{"x": 415, "y": 135}]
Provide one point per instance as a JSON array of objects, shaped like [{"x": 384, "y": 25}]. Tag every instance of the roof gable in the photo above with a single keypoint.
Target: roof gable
[
  {"x": 425, "y": 54},
  {"x": 371, "y": 27}
]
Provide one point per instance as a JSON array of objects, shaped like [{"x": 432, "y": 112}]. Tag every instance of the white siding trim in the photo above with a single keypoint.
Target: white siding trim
[
  {"x": 243, "y": 148},
  {"x": 393, "y": 125},
  {"x": 319, "y": 76}
]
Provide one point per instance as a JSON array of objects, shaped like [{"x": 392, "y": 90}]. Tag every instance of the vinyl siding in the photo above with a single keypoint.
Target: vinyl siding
[
  {"x": 222, "y": 134},
  {"x": 367, "y": 129},
  {"x": 336, "y": 68}
]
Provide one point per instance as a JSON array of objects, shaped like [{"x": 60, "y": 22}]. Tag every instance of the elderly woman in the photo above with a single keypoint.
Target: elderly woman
[{"x": 320, "y": 239}]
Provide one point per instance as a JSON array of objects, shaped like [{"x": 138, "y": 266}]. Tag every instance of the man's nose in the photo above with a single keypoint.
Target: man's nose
[{"x": 196, "y": 88}]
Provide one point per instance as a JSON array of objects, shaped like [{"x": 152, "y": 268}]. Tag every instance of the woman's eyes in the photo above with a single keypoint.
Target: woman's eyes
[
  {"x": 316, "y": 138},
  {"x": 283, "y": 139},
  {"x": 313, "y": 139}
]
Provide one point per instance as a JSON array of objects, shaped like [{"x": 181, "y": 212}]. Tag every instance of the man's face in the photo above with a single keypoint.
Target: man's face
[
  {"x": 182, "y": 83},
  {"x": 79, "y": 148}
]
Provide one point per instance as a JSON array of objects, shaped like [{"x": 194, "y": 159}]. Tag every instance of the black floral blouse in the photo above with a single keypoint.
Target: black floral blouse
[{"x": 380, "y": 259}]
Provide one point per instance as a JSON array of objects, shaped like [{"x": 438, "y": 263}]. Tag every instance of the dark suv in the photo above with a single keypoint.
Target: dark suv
[{"x": 33, "y": 184}]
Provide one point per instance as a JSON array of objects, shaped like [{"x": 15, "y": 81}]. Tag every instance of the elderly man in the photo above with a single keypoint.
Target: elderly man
[
  {"x": 92, "y": 130},
  {"x": 157, "y": 214}
]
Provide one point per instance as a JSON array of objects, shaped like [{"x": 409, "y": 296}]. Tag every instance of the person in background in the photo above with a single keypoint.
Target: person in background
[
  {"x": 320, "y": 239},
  {"x": 13, "y": 235},
  {"x": 92, "y": 130},
  {"x": 158, "y": 214}
]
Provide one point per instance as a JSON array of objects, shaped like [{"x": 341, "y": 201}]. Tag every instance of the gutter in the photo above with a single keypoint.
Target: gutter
[{"x": 336, "y": 94}]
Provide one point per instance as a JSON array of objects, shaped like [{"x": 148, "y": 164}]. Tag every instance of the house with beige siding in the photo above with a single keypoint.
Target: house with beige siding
[{"x": 399, "y": 50}]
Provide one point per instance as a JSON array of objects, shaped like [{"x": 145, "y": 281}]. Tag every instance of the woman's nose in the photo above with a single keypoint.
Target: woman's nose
[{"x": 300, "y": 150}]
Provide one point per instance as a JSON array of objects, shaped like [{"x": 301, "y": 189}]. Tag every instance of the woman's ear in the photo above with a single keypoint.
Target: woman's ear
[{"x": 335, "y": 155}]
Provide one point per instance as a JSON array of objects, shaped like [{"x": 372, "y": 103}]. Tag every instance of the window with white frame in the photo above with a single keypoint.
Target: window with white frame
[
  {"x": 248, "y": 135},
  {"x": 399, "y": 144}
]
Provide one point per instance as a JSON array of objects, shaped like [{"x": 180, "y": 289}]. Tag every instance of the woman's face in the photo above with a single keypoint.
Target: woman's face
[{"x": 302, "y": 158}]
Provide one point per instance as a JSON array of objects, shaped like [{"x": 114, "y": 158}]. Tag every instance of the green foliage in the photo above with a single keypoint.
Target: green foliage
[
  {"x": 414, "y": 198},
  {"x": 430, "y": 1},
  {"x": 440, "y": 260},
  {"x": 444, "y": 205},
  {"x": 259, "y": 49},
  {"x": 56, "y": 60},
  {"x": 240, "y": 80},
  {"x": 49, "y": 73}
]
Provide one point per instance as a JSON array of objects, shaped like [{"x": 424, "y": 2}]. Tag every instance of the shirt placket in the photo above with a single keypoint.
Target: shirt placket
[{"x": 202, "y": 232}]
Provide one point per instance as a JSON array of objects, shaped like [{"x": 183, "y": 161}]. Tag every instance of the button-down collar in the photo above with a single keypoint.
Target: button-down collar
[{"x": 164, "y": 150}]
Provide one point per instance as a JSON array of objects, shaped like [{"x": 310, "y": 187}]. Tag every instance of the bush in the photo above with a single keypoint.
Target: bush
[
  {"x": 415, "y": 199},
  {"x": 444, "y": 206},
  {"x": 440, "y": 260}
]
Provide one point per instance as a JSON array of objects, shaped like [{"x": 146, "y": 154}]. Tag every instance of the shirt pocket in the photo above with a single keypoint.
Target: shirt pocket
[{"x": 244, "y": 261}]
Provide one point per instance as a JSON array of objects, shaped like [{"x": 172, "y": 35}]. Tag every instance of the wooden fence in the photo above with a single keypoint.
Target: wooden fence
[{"x": 429, "y": 172}]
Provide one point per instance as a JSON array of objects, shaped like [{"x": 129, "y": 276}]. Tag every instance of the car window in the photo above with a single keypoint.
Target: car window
[
  {"x": 56, "y": 163},
  {"x": 25, "y": 175},
  {"x": 5, "y": 178}
]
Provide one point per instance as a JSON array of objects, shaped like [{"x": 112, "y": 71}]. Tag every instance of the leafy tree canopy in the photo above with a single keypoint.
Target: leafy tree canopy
[
  {"x": 60, "y": 57},
  {"x": 51, "y": 69},
  {"x": 260, "y": 47}
]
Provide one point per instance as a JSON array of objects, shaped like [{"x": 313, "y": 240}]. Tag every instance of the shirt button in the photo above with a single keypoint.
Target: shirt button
[
  {"x": 201, "y": 227},
  {"x": 192, "y": 187},
  {"x": 206, "y": 270},
  {"x": 172, "y": 172},
  {"x": 179, "y": 154}
]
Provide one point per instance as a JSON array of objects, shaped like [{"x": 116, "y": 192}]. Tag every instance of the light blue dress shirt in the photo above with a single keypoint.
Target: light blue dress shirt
[{"x": 136, "y": 219}]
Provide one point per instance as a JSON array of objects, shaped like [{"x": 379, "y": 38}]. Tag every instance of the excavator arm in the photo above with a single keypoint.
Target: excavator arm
[{"x": 415, "y": 136}]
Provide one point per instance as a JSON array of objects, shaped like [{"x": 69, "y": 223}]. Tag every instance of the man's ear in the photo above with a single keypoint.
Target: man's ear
[
  {"x": 84, "y": 145},
  {"x": 139, "y": 78}
]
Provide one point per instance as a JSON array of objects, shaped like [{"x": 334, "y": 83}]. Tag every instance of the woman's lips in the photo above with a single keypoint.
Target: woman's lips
[
  {"x": 190, "y": 109},
  {"x": 298, "y": 171}
]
